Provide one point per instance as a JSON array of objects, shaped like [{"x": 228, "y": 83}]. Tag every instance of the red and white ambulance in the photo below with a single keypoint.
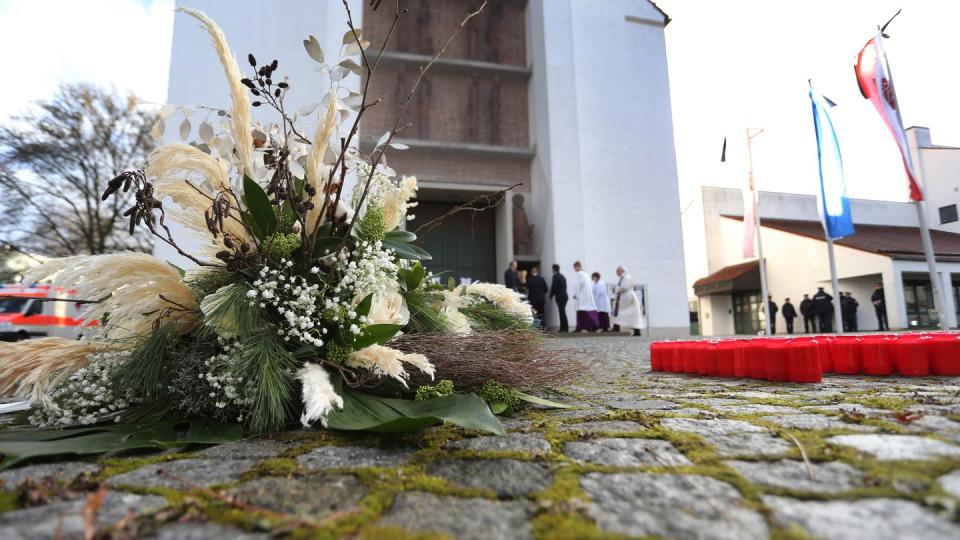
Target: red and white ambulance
[{"x": 24, "y": 314}]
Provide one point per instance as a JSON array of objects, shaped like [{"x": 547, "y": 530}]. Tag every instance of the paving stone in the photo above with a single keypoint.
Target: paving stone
[
  {"x": 505, "y": 477},
  {"x": 830, "y": 477},
  {"x": 625, "y": 452},
  {"x": 754, "y": 394},
  {"x": 893, "y": 447},
  {"x": 849, "y": 407},
  {"x": 711, "y": 427},
  {"x": 42, "y": 522},
  {"x": 749, "y": 444},
  {"x": 877, "y": 519},
  {"x": 533, "y": 443},
  {"x": 670, "y": 506},
  {"x": 464, "y": 519},
  {"x": 256, "y": 449},
  {"x": 335, "y": 457},
  {"x": 714, "y": 402},
  {"x": 643, "y": 405},
  {"x": 603, "y": 426},
  {"x": 815, "y": 421},
  {"x": 315, "y": 496},
  {"x": 59, "y": 472},
  {"x": 569, "y": 414},
  {"x": 754, "y": 408},
  {"x": 202, "y": 472},
  {"x": 203, "y": 531},
  {"x": 951, "y": 483},
  {"x": 516, "y": 424}
]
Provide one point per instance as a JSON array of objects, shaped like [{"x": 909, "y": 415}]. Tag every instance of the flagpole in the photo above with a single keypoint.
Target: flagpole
[
  {"x": 755, "y": 195},
  {"x": 837, "y": 312}
]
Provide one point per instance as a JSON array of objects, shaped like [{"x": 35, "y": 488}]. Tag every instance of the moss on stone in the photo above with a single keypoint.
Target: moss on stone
[{"x": 569, "y": 526}]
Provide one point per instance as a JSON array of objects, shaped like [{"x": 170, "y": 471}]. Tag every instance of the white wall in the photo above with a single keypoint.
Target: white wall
[{"x": 939, "y": 170}]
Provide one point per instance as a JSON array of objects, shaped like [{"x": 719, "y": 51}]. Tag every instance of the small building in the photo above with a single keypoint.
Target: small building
[
  {"x": 523, "y": 96},
  {"x": 886, "y": 249}
]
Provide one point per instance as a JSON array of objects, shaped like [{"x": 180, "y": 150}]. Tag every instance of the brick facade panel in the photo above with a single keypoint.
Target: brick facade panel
[{"x": 460, "y": 168}]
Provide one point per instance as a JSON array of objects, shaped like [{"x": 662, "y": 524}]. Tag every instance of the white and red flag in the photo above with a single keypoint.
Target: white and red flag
[{"x": 876, "y": 84}]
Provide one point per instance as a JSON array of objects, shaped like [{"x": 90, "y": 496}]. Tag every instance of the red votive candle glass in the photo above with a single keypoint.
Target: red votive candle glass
[
  {"x": 945, "y": 355},
  {"x": 911, "y": 355}
]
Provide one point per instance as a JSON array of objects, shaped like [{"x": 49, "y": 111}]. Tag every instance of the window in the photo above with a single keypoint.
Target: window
[
  {"x": 747, "y": 312},
  {"x": 948, "y": 214},
  {"x": 36, "y": 308}
]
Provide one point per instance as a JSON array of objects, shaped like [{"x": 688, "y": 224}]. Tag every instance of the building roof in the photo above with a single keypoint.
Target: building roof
[
  {"x": 901, "y": 243},
  {"x": 730, "y": 278}
]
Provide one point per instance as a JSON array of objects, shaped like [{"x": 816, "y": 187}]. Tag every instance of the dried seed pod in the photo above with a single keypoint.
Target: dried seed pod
[{"x": 252, "y": 60}]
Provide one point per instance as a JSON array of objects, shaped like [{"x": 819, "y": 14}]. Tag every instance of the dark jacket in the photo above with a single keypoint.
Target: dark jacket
[
  {"x": 806, "y": 307},
  {"x": 536, "y": 290},
  {"x": 848, "y": 306},
  {"x": 511, "y": 280},
  {"x": 878, "y": 298},
  {"x": 789, "y": 312},
  {"x": 773, "y": 308},
  {"x": 822, "y": 303},
  {"x": 558, "y": 288}
]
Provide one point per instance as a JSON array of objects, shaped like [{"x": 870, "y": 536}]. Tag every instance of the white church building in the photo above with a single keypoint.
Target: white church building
[{"x": 525, "y": 95}]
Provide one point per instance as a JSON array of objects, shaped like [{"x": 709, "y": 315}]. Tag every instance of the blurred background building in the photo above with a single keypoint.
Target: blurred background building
[{"x": 570, "y": 99}]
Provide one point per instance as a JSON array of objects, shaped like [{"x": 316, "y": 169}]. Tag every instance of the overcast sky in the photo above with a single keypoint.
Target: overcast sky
[{"x": 733, "y": 64}]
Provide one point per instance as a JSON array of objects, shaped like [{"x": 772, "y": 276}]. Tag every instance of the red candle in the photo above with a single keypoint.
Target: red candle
[
  {"x": 688, "y": 363},
  {"x": 846, "y": 355},
  {"x": 726, "y": 354},
  {"x": 876, "y": 355},
  {"x": 911, "y": 355},
  {"x": 658, "y": 350},
  {"x": 755, "y": 358},
  {"x": 711, "y": 359},
  {"x": 803, "y": 361},
  {"x": 945, "y": 355},
  {"x": 775, "y": 360},
  {"x": 826, "y": 353},
  {"x": 741, "y": 365}
]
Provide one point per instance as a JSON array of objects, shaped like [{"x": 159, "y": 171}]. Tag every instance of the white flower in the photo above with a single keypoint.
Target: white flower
[
  {"x": 384, "y": 361},
  {"x": 314, "y": 270},
  {"x": 343, "y": 212},
  {"x": 388, "y": 307},
  {"x": 319, "y": 397},
  {"x": 251, "y": 293},
  {"x": 459, "y": 323}
]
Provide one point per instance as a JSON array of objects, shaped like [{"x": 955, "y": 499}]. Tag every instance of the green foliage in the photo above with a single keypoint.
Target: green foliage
[
  {"x": 540, "y": 401},
  {"x": 266, "y": 368},
  {"x": 371, "y": 226},
  {"x": 18, "y": 445},
  {"x": 401, "y": 244},
  {"x": 209, "y": 280},
  {"x": 334, "y": 352},
  {"x": 495, "y": 393},
  {"x": 424, "y": 314},
  {"x": 262, "y": 218},
  {"x": 142, "y": 376},
  {"x": 188, "y": 392},
  {"x": 430, "y": 391},
  {"x": 486, "y": 316},
  {"x": 228, "y": 312},
  {"x": 365, "y": 412},
  {"x": 375, "y": 334},
  {"x": 281, "y": 245},
  {"x": 411, "y": 278}
]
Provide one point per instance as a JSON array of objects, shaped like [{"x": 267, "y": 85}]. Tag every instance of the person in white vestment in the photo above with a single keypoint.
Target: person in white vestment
[
  {"x": 602, "y": 297},
  {"x": 587, "y": 319},
  {"x": 626, "y": 305}
]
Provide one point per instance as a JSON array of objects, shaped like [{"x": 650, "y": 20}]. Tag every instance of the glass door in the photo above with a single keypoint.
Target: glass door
[
  {"x": 747, "y": 312},
  {"x": 918, "y": 298}
]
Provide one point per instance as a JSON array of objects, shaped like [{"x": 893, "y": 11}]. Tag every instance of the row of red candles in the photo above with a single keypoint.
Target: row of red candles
[{"x": 806, "y": 359}]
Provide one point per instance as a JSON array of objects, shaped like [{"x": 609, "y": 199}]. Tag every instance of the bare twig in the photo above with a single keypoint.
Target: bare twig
[
  {"x": 490, "y": 198},
  {"x": 803, "y": 454}
]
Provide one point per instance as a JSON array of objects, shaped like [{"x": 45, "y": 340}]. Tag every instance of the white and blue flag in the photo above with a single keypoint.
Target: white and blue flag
[{"x": 833, "y": 205}]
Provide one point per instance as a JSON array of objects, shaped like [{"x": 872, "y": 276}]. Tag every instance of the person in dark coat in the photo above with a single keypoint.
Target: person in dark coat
[
  {"x": 789, "y": 314},
  {"x": 879, "y": 301},
  {"x": 823, "y": 308},
  {"x": 511, "y": 278},
  {"x": 537, "y": 294},
  {"x": 809, "y": 317},
  {"x": 773, "y": 314},
  {"x": 848, "y": 308},
  {"x": 558, "y": 292}
]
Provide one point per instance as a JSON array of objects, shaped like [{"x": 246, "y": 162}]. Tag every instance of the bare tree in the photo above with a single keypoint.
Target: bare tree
[{"x": 55, "y": 162}]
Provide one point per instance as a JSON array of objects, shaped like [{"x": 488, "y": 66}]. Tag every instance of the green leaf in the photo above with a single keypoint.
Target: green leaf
[
  {"x": 542, "y": 402},
  {"x": 363, "y": 308},
  {"x": 263, "y": 220},
  {"x": 19, "y": 445},
  {"x": 500, "y": 408},
  {"x": 413, "y": 277},
  {"x": 405, "y": 250},
  {"x": 376, "y": 333},
  {"x": 400, "y": 236},
  {"x": 325, "y": 244},
  {"x": 364, "y": 412}
]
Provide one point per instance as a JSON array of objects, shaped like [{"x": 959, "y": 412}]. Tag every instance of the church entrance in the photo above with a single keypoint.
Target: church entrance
[{"x": 463, "y": 245}]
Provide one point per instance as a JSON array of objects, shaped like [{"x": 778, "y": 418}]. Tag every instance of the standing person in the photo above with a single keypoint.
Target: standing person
[
  {"x": 602, "y": 299},
  {"x": 558, "y": 291},
  {"x": 823, "y": 308},
  {"x": 879, "y": 301},
  {"x": 626, "y": 305},
  {"x": 537, "y": 294},
  {"x": 789, "y": 314},
  {"x": 807, "y": 310},
  {"x": 773, "y": 314},
  {"x": 849, "y": 305},
  {"x": 511, "y": 278},
  {"x": 587, "y": 320}
]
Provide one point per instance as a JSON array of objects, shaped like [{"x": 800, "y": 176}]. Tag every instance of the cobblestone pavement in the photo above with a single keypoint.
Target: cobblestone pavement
[{"x": 642, "y": 454}]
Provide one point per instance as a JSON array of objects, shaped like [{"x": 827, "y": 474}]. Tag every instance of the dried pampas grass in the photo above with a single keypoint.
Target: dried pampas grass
[
  {"x": 135, "y": 289},
  {"x": 240, "y": 114},
  {"x": 31, "y": 368},
  {"x": 317, "y": 172}
]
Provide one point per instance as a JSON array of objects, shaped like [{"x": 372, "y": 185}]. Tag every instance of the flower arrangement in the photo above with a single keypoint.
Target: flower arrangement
[{"x": 308, "y": 301}]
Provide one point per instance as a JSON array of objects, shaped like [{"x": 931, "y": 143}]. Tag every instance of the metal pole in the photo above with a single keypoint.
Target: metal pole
[
  {"x": 837, "y": 313},
  {"x": 765, "y": 302},
  {"x": 938, "y": 299}
]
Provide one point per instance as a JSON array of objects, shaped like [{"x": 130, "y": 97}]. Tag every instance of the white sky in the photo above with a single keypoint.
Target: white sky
[
  {"x": 746, "y": 62},
  {"x": 733, "y": 63}
]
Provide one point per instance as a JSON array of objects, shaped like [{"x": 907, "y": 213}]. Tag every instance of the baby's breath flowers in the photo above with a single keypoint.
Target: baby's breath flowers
[
  {"x": 296, "y": 300},
  {"x": 88, "y": 396}
]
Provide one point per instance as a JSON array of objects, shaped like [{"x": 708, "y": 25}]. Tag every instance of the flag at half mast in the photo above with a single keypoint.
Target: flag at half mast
[
  {"x": 876, "y": 84},
  {"x": 832, "y": 202}
]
